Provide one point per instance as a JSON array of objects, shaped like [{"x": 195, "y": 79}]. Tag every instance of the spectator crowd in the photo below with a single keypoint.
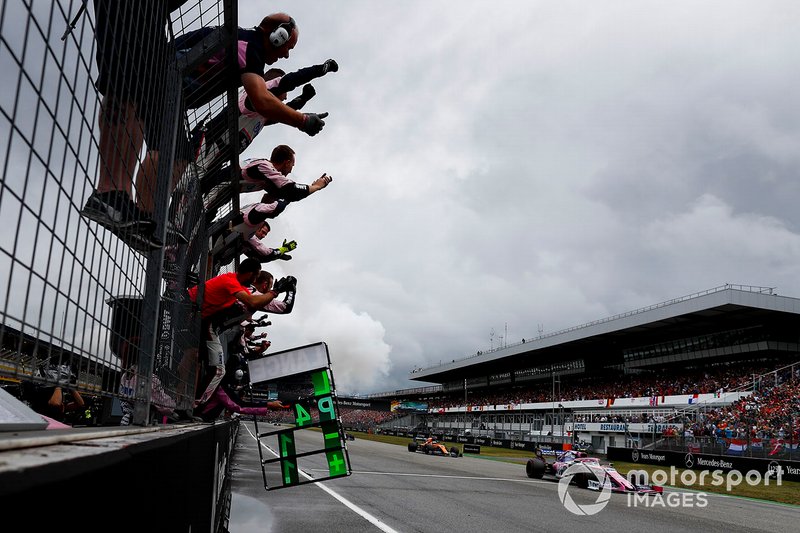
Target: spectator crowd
[{"x": 662, "y": 383}]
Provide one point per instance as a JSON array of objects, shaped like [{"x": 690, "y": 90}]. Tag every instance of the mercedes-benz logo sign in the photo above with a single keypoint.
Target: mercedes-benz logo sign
[
  {"x": 635, "y": 455},
  {"x": 689, "y": 459}
]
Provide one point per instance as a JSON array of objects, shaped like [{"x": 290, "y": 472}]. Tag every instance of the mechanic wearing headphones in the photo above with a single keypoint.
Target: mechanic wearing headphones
[{"x": 263, "y": 45}]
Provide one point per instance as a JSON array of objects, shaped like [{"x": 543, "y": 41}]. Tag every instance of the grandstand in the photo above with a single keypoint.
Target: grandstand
[{"x": 633, "y": 379}]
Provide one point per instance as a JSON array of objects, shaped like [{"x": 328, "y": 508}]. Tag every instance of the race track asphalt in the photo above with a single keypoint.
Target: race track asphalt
[{"x": 392, "y": 489}]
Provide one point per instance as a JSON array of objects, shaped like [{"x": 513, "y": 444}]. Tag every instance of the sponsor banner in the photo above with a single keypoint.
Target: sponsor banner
[
  {"x": 472, "y": 448},
  {"x": 421, "y": 407},
  {"x": 619, "y": 427},
  {"x": 523, "y": 445},
  {"x": 364, "y": 403},
  {"x": 790, "y": 470},
  {"x": 529, "y": 446},
  {"x": 503, "y": 377}
]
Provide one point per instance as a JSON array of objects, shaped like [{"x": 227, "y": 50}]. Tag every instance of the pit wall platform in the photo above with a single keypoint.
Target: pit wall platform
[{"x": 160, "y": 478}]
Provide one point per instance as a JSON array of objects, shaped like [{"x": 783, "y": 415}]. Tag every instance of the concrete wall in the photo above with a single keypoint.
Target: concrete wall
[{"x": 166, "y": 478}]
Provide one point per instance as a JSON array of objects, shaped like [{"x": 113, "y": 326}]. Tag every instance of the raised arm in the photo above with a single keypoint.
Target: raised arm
[
  {"x": 256, "y": 301},
  {"x": 293, "y": 80},
  {"x": 271, "y": 108},
  {"x": 267, "y": 104}
]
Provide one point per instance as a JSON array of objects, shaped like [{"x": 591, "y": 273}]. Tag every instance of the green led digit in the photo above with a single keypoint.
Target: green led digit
[
  {"x": 289, "y": 470},
  {"x": 322, "y": 384},
  {"x": 287, "y": 449},
  {"x": 336, "y": 464},
  {"x": 303, "y": 417},
  {"x": 330, "y": 431},
  {"x": 287, "y": 444},
  {"x": 325, "y": 406}
]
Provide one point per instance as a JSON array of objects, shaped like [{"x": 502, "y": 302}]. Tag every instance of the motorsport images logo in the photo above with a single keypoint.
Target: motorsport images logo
[{"x": 569, "y": 504}]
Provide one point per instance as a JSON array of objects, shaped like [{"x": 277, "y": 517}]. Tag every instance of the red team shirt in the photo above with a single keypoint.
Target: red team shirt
[{"x": 219, "y": 293}]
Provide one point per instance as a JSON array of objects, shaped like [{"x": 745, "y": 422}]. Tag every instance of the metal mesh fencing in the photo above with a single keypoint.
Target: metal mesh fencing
[{"x": 101, "y": 196}]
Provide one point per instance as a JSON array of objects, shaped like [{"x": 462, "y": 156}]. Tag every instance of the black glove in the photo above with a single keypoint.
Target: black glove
[
  {"x": 330, "y": 66},
  {"x": 282, "y": 285},
  {"x": 285, "y": 284},
  {"x": 313, "y": 123},
  {"x": 284, "y": 257},
  {"x": 308, "y": 92}
]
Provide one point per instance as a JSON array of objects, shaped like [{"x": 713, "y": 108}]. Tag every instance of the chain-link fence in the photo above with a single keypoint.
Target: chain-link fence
[{"x": 104, "y": 226}]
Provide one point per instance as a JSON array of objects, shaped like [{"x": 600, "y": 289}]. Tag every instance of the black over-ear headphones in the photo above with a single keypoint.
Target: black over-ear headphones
[{"x": 282, "y": 33}]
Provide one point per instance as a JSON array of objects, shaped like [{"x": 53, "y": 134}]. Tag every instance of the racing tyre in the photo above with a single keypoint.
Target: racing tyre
[
  {"x": 455, "y": 452},
  {"x": 535, "y": 468},
  {"x": 412, "y": 446}
]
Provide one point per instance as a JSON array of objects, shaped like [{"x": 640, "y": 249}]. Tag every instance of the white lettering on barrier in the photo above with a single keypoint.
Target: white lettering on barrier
[
  {"x": 652, "y": 457},
  {"x": 716, "y": 463}
]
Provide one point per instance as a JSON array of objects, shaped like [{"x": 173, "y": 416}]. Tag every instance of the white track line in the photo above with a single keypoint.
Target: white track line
[
  {"x": 667, "y": 488},
  {"x": 347, "y": 503},
  {"x": 444, "y": 476}
]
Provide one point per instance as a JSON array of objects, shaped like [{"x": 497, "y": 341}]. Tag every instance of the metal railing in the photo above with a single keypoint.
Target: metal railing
[{"x": 766, "y": 448}]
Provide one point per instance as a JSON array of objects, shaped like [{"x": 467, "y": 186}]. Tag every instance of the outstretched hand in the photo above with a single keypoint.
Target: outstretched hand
[
  {"x": 285, "y": 284},
  {"x": 321, "y": 182},
  {"x": 330, "y": 66},
  {"x": 313, "y": 123},
  {"x": 308, "y": 92},
  {"x": 287, "y": 246}
]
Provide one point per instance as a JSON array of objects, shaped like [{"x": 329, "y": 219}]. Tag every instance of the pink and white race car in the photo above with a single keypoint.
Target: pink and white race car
[{"x": 593, "y": 475}]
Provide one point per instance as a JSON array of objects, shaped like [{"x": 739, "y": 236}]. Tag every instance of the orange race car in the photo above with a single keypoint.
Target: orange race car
[{"x": 431, "y": 446}]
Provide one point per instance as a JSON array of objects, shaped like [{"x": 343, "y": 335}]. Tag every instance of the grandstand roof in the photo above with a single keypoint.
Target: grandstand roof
[{"x": 716, "y": 310}]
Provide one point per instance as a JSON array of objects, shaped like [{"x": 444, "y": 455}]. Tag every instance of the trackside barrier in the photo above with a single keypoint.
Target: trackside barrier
[
  {"x": 790, "y": 470},
  {"x": 530, "y": 446},
  {"x": 168, "y": 478},
  {"x": 767, "y": 448}
]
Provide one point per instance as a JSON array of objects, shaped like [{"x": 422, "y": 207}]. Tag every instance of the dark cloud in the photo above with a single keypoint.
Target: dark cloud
[{"x": 529, "y": 164}]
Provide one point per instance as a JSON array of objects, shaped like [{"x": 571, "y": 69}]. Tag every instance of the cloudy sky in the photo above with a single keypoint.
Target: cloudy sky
[
  {"x": 526, "y": 164},
  {"x": 518, "y": 165}
]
